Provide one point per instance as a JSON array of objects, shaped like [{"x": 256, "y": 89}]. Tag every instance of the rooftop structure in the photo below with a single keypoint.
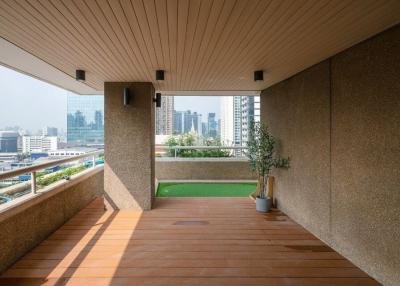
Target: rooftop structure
[
  {"x": 327, "y": 73},
  {"x": 8, "y": 141}
]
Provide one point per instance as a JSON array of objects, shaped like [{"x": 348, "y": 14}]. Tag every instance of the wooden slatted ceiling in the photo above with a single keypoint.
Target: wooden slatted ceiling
[{"x": 202, "y": 44}]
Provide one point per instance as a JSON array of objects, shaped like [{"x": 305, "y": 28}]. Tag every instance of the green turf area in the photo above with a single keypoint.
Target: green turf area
[{"x": 205, "y": 189}]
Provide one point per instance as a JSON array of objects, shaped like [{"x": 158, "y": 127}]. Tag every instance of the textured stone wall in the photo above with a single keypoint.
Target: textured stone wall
[
  {"x": 129, "y": 146},
  {"x": 339, "y": 121},
  {"x": 203, "y": 169},
  {"x": 26, "y": 225},
  {"x": 297, "y": 111}
]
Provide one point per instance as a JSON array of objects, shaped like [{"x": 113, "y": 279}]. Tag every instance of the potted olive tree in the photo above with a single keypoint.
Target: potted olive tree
[{"x": 262, "y": 156}]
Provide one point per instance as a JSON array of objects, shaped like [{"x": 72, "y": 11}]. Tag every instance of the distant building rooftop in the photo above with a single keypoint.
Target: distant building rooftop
[{"x": 8, "y": 134}]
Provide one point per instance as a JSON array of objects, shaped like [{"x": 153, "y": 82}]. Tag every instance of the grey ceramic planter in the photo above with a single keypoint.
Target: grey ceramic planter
[{"x": 263, "y": 204}]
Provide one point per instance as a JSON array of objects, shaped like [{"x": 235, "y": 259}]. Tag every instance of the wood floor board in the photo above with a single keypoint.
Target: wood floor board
[
  {"x": 173, "y": 281},
  {"x": 183, "y": 263},
  {"x": 183, "y": 242}
]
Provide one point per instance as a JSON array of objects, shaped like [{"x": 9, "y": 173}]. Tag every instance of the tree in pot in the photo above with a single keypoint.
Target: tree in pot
[{"x": 263, "y": 158}]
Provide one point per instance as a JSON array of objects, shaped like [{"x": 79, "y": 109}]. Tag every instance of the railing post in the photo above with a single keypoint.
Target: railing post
[
  {"x": 94, "y": 161},
  {"x": 175, "y": 152},
  {"x": 33, "y": 182}
]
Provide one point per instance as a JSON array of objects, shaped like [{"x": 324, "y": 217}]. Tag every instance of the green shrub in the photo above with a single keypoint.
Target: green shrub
[{"x": 47, "y": 180}]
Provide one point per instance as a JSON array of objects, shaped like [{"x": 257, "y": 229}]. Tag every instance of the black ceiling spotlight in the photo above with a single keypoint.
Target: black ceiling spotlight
[
  {"x": 157, "y": 100},
  {"x": 80, "y": 75},
  {"x": 258, "y": 75},
  {"x": 127, "y": 96},
  {"x": 160, "y": 74}
]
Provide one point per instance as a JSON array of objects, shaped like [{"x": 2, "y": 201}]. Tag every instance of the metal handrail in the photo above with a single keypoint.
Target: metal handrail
[
  {"x": 33, "y": 169},
  {"x": 207, "y": 147},
  {"x": 175, "y": 148}
]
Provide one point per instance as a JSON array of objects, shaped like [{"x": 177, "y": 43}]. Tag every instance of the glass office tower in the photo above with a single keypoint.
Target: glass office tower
[{"x": 85, "y": 120}]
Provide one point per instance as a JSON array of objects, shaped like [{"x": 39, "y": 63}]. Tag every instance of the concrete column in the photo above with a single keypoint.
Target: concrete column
[{"x": 129, "y": 146}]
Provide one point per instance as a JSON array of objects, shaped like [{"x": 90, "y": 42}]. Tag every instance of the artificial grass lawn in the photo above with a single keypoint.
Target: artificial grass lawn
[{"x": 205, "y": 189}]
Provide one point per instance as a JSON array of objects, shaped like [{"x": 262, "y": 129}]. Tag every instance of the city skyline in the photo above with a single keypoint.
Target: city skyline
[{"x": 46, "y": 104}]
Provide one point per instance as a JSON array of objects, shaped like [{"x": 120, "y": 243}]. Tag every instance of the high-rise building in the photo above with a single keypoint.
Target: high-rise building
[
  {"x": 49, "y": 131},
  {"x": 199, "y": 124},
  {"x": 192, "y": 122},
  {"x": 165, "y": 116},
  {"x": 38, "y": 144},
  {"x": 250, "y": 114},
  {"x": 204, "y": 128},
  {"x": 231, "y": 120},
  {"x": 85, "y": 120},
  {"x": 178, "y": 122},
  {"x": 212, "y": 128},
  {"x": 8, "y": 141},
  {"x": 219, "y": 128},
  {"x": 98, "y": 120}
]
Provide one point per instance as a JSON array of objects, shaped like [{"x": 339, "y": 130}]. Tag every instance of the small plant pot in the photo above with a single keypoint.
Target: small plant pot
[{"x": 263, "y": 204}]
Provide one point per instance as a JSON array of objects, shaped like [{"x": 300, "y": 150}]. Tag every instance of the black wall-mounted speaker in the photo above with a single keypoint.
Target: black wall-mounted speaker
[
  {"x": 80, "y": 75},
  {"x": 160, "y": 74},
  {"x": 157, "y": 100},
  {"x": 127, "y": 96},
  {"x": 258, "y": 75}
]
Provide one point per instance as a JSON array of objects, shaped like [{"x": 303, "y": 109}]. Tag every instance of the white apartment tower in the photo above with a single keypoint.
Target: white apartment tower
[
  {"x": 250, "y": 113},
  {"x": 164, "y": 116},
  {"x": 38, "y": 144},
  {"x": 231, "y": 120},
  {"x": 237, "y": 113}
]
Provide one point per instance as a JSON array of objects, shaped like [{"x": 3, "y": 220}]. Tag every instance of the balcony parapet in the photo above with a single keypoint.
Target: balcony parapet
[{"x": 29, "y": 219}]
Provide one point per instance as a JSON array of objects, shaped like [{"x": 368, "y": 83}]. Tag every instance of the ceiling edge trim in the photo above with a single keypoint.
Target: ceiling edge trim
[{"x": 14, "y": 57}]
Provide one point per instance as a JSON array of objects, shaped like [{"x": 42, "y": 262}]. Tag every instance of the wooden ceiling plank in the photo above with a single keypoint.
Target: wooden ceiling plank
[
  {"x": 135, "y": 73},
  {"x": 329, "y": 43},
  {"x": 331, "y": 19},
  {"x": 23, "y": 19},
  {"x": 349, "y": 25},
  {"x": 152, "y": 23},
  {"x": 252, "y": 48},
  {"x": 275, "y": 22},
  {"x": 301, "y": 30},
  {"x": 183, "y": 11},
  {"x": 89, "y": 35},
  {"x": 81, "y": 17},
  {"x": 149, "y": 59},
  {"x": 20, "y": 39},
  {"x": 23, "y": 22},
  {"x": 227, "y": 29},
  {"x": 172, "y": 16},
  {"x": 304, "y": 45},
  {"x": 163, "y": 24},
  {"x": 153, "y": 26},
  {"x": 254, "y": 15},
  {"x": 62, "y": 26},
  {"x": 202, "y": 44},
  {"x": 143, "y": 24},
  {"x": 100, "y": 28},
  {"x": 131, "y": 39},
  {"x": 251, "y": 13},
  {"x": 215, "y": 14},
  {"x": 104, "y": 27},
  {"x": 194, "y": 11},
  {"x": 203, "y": 19},
  {"x": 208, "y": 46}
]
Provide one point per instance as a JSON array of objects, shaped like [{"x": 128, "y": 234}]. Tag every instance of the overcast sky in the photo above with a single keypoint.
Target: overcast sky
[
  {"x": 32, "y": 104},
  {"x": 201, "y": 104}
]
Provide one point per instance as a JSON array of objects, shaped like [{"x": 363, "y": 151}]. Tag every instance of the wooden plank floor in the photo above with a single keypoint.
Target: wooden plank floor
[{"x": 196, "y": 241}]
